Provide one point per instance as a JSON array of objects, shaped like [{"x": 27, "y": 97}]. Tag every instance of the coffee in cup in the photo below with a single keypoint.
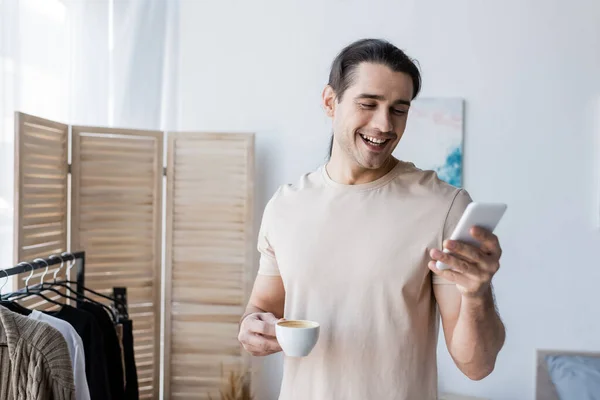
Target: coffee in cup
[{"x": 297, "y": 338}]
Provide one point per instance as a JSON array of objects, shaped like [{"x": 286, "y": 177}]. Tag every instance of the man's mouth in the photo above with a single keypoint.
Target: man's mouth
[{"x": 373, "y": 141}]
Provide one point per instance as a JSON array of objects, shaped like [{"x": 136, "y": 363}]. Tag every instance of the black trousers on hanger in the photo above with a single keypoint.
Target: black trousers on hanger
[{"x": 131, "y": 385}]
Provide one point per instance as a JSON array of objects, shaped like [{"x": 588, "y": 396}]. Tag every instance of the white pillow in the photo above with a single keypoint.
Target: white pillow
[{"x": 575, "y": 377}]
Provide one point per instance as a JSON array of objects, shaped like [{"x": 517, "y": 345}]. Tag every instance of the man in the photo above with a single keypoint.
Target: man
[{"x": 352, "y": 244}]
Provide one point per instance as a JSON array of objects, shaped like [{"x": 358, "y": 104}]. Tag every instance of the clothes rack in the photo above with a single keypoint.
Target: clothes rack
[
  {"x": 97, "y": 324},
  {"x": 119, "y": 303},
  {"x": 26, "y": 267}
]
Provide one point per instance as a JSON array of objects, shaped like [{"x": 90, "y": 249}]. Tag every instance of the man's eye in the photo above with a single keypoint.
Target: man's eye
[
  {"x": 367, "y": 106},
  {"x": 399, "y": 112}
]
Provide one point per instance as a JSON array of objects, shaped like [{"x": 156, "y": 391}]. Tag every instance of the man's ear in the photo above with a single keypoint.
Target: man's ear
[{"x": 329, "y": 100}]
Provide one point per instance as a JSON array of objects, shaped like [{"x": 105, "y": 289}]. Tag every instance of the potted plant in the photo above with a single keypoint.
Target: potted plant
[{"x": 235, "y": 386}]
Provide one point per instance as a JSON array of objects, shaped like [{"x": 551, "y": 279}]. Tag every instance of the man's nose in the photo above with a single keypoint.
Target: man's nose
[{"x": 382, "y": 120}]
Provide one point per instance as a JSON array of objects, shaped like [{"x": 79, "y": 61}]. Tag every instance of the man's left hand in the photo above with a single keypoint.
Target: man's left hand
[{"x": 472, "y": 266}]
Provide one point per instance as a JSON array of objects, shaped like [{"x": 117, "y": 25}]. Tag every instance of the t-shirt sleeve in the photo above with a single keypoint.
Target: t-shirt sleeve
[
  {"x": 82, "y": 389},
  {"x": 268, "y": 262},
  {"x": 459, "y": 203}
]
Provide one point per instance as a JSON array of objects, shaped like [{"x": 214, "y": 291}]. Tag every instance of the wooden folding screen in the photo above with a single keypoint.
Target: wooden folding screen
[
  {"x": 41, "y": 191},
  {"x": 117, "y": 216},
  {"x": 209, "y": 256}
]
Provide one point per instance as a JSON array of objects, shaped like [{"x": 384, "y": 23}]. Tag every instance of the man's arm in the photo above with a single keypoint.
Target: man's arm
[
  {"x": 268, "y": 295},
  {"x": 264, "y": 309},
  {"x": 472, "y": 327},
  {"x": 473, "y": 330}
]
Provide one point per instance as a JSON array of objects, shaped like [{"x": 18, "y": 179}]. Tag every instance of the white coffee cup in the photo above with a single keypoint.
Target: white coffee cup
[{"x": 297, "y": 338}]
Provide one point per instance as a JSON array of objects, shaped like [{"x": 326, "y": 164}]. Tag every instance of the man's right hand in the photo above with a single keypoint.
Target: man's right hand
[{"x": 257, "y": 334}]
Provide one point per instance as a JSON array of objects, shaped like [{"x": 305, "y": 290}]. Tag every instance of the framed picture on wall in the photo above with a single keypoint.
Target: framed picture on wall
[{"x": 433, "y": 139}]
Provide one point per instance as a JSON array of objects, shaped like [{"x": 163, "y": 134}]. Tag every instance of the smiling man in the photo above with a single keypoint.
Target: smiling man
[{"x": 353, "y": 246}]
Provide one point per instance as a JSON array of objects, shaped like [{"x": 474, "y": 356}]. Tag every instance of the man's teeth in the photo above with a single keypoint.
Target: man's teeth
[{"x": 373, "y": 140}]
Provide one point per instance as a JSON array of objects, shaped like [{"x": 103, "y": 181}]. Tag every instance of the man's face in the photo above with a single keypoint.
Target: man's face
[{"x": 370, "y": 120}]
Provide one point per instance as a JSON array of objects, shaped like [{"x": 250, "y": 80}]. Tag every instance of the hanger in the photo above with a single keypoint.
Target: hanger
[
  {"x": 75, "y": 282},
  {"x": 110, "y": 311},
  {"x": 16, "y": 307},
  {"x": 110, "y": 298},
  {"x": 36, "y": 290},
  {"x": 5, "y": 282},
  {"x": 9, "y": 304},
  {"x": 64, "y": 284}
]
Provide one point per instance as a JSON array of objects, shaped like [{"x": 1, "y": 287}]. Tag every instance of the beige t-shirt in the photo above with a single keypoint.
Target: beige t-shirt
[{"x": 354, "y": 258}]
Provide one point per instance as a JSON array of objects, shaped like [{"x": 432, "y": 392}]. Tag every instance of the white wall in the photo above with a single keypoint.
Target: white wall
[{"x": 529, "y": 71}]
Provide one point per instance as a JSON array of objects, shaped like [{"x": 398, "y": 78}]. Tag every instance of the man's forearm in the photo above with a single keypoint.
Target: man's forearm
[{"x": 478, "y": 336}]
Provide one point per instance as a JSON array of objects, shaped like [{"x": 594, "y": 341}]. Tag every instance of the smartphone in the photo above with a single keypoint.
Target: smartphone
[{"x": 483, "y": 215}]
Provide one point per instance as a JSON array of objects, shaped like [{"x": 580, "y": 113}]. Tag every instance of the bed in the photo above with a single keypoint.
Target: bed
[{"x": 544, "y": 388}]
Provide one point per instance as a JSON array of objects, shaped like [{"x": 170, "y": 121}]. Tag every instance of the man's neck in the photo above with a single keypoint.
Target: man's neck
[{"x": 342, "y": 172}]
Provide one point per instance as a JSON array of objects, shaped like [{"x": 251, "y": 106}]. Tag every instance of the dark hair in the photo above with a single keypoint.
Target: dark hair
[{"x": 376, "y": 51}]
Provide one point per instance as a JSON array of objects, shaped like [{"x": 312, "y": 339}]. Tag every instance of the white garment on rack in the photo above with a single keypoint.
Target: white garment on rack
[{"x": 76, "y": 352}]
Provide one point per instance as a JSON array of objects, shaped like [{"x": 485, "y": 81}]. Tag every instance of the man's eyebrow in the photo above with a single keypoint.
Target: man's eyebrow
[{"x": 381, "y": 98}]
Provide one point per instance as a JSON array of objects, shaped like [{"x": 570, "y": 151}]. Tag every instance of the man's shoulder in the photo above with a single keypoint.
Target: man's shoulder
[
  {"x": 293, "y": 196},
  {"x": 307, "y": 183},
  {"x": 426, "y": 184}
]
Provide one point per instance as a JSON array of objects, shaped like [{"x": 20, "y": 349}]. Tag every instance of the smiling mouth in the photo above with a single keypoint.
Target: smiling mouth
[{"x": 374, "y": 142}]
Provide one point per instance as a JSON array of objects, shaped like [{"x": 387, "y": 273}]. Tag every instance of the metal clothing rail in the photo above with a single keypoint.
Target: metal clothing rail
[
  {"x": 118, "y": 300},
  {"x": 26, "y": 267}
]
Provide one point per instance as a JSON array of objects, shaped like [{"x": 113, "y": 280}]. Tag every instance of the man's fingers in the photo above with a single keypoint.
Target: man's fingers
[
  {"x": 450, "y": 275},
  {"x": 258, "y": 326},
  {"x": 263, "y": 324},
  {"x": 458, "y": 264},
  {"x": 489, "y": 242},
  {"x": 260, "y": 345},
  {"x": 257, "y": 334},
  {"x": 262, "y": 342},
  {"x": 464, "y": 250},
  {"x": 271, "y": 320}
]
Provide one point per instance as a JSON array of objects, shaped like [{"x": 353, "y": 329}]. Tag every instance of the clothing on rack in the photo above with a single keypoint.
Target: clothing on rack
[
  {"x": 76, "y": 352},
  {"x": 119, "y": 330},
  {"x": 131, "y": 379},
  {"x": 34, "y": 360},
  {"x": 91, "y": 335},
  {"x": 111, "y": 347}
]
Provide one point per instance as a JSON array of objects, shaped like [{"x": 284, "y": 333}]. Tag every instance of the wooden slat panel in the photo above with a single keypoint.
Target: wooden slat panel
[
  {"x": 41, "y": 184},
  {"x": 116, "y": 220},
  {"x": 209, "y": 259}
]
